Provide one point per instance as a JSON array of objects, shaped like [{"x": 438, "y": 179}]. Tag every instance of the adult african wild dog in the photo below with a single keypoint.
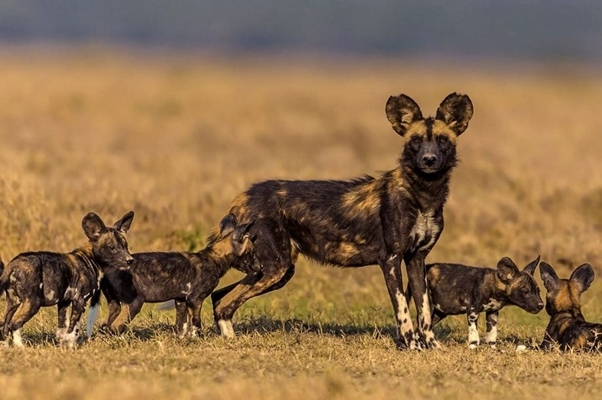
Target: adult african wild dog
[
  {"x": 460, "y": 289},
  {"x": 41, "y": 279},
  {"x": 384, "y": 220},
  {"x": 567, "y": 327},
  {"x": 187, "y": 278}
]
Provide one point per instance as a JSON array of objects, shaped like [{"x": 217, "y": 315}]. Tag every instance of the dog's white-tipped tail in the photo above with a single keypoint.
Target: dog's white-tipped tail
[
  {"x": 168, "y": 305},
  {"x": 92, "y": 316}
]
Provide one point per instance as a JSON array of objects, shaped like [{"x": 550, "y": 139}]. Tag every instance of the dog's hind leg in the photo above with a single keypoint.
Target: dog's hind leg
[
  {"x": 274, "y": 251},
  {"x": 114, "y": 311},
  {"x": 25, "y": 312},
  {"x": 63, "y": 320},
  {"x": 12, "y": 303},
  {"x": 245, "y": 290},
  {"x": 78, "y": 306},
  {"x": 181, "y": 318},
  {"x": 220, "y": 293}
]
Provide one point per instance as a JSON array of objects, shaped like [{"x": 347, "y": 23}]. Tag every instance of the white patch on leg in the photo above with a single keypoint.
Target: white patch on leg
[
  {"x": 226, "y": 329},
  {"x": 60, "y": 334},
  {"x": 193, "y": 331},
  {"x": 184, "y": 330},
  {"x": 71, "y": 338},
  {"x": 491, "y": 336},
  {"x": 404, "y": 318},
  {"x": 17, "y": 340},
  {"x": 473, "y": 333},
  {"x": 429, "y": 335}
]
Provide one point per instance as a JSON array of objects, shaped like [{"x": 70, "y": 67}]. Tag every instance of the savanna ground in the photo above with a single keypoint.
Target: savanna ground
[{"x": 176, "y": 137}]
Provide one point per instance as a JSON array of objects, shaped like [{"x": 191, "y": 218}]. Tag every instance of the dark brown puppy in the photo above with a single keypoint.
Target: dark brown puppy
[
  {"x": 42, "y": 279},
  {"x": 395, "y": 217},
  {"x": 567, "y": 327},
  {"x": 460, "y": 289},
  {"x": 187, "y": 278}
]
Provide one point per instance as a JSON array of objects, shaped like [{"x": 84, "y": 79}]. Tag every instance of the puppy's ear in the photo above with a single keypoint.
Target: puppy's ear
[
  {"x": 507, "y": 270},
  {"x": 125, "y": 222},
  {"x": 93, "y": 226},
  {"x": 530, "y": 268},
  {"x": 549, "y": 277},
  {"x": 583, "y": 276}
]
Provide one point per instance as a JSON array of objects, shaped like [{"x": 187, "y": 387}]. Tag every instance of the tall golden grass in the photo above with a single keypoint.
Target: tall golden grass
[{"x": 176, "y": 136}]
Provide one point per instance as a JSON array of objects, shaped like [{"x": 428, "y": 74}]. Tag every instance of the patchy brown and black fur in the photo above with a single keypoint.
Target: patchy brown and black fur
[
  {"x": 42, "y": 279},
  {"x": 567, "y": 327},
  {"x": 370, "y": 220},
  {"x": 187, "y": 278},
  {"x": 460, "y": 289}
]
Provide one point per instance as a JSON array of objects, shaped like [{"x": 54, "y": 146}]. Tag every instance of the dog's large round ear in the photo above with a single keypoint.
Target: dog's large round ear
[
  {"x": 583, "y": 276},
  {"x": 550, "y": 280},
  {"x": 530, "y": 268},
  {"x": 401, "y": 112},
  {"x": 507, "y": 270},
  {"x": 227, "y": 225},
  {"x": 125, "y": 222},
  {"x": 456, "y": 111},
  {"x": 93, "y": 226}
]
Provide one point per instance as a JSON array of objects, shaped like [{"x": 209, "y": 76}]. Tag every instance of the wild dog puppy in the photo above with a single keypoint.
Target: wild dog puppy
[
  {"x": 42, "y": 279},
  {"x": 567, "y": 327},
  {"x": 459, "y": 289},
  {"x": 187, "y": 278},
  {"x": 384, "y": 220}
]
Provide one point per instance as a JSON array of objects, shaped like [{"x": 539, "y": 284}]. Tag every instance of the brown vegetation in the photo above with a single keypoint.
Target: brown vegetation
[{"x": 176, "y": 138}]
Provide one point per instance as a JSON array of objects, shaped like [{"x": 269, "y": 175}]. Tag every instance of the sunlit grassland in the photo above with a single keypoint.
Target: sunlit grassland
[{"x": 176, "y": 137}]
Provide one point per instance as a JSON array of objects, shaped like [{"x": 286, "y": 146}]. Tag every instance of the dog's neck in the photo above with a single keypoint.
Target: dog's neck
[
  {"x": 429, "y": 190},
  {"x": 86, "y": 255}
]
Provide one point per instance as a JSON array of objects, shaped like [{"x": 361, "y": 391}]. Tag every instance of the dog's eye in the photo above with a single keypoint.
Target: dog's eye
[
  {"x": 112, "y": 247},
  {"x": 443, "y": 140},
  {"x": 415, "y": 142}
]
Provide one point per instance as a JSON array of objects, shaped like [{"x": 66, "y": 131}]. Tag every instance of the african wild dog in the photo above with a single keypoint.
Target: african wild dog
[
  {"x": 459, "y": 289},
  {"x": 187, "y": 278},
  {"x": 41, "y": 279},
  {"x": 567, "y": 327},
  {"x": 396, "y": 216}
]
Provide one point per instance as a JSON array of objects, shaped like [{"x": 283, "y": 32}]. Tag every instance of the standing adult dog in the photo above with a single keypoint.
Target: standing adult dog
[{"x": 396, "y": 216}]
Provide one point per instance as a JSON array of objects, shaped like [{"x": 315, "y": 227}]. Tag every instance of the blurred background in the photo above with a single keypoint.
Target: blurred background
[
  {"x": 509, "y": 30},
  {"x": 172, "y": 108}
]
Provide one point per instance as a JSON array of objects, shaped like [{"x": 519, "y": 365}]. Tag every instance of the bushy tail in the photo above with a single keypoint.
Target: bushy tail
[{"x": 93, "y": 313}]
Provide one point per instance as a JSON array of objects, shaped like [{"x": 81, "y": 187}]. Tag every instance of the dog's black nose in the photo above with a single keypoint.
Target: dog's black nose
[{"x": 429, "y": 159}]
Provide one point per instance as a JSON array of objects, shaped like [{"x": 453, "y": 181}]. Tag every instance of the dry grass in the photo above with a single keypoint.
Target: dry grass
[{"x": 175, "y": 138}]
